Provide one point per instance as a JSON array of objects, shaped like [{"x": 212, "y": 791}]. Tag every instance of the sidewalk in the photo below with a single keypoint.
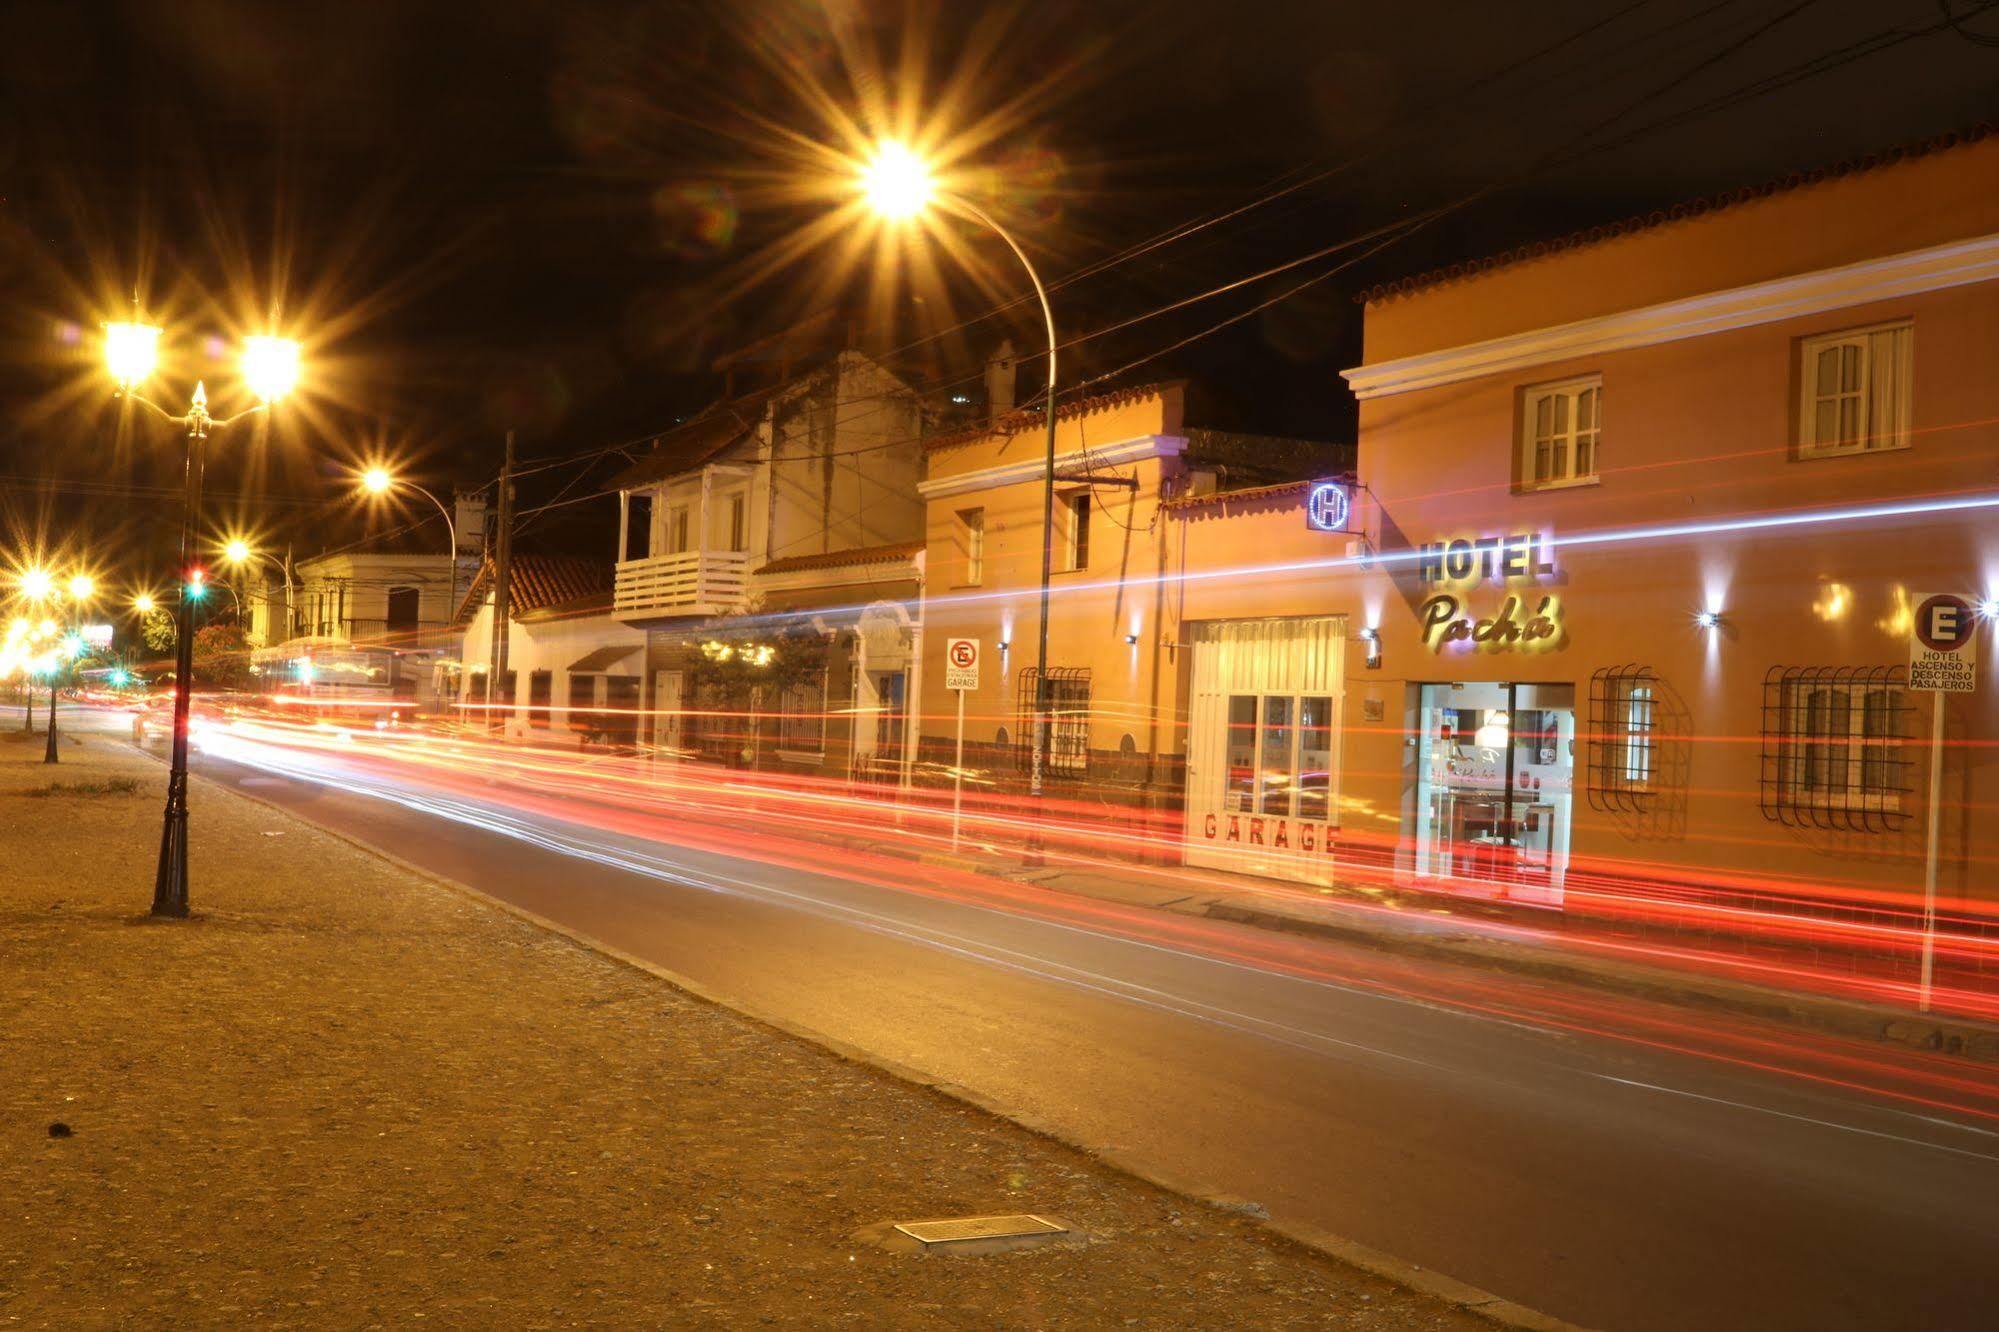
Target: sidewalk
[{"x": 344, "y": 1095}]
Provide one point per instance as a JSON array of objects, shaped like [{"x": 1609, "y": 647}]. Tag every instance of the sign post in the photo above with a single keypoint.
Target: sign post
[
  {"x": 1943, "y": 659},
  {"x": 961, "y": 675}
]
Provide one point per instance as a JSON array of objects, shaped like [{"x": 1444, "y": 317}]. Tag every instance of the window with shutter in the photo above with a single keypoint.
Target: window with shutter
[
  {"x": 1561, "y": 427},
  {"x": 1855, "y": 391}
]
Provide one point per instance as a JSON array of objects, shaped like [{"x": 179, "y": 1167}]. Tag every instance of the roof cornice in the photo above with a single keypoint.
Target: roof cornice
[
  {"x": 1956, "y": 264},
  {"x": 1031, "y": 469}
]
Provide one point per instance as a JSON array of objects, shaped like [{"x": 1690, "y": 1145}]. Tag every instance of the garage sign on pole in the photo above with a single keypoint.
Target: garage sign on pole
[{"x": 1943, "y": 659}]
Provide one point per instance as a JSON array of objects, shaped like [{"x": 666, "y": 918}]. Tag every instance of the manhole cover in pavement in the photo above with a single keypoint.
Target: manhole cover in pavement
[{"x": 960, "y": 1229}]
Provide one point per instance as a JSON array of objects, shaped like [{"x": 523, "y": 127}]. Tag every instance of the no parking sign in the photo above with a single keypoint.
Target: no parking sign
[{"x": 961, "y": 663}]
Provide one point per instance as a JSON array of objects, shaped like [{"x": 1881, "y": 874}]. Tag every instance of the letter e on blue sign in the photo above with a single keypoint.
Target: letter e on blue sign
[{"x": 1328, "y": 505}]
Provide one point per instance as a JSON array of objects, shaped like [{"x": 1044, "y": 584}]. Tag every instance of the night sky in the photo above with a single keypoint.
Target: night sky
[{"x": 553, "y": 217}]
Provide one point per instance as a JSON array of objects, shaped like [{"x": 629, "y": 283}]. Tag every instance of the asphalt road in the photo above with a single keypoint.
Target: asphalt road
[{"x": 1528, "y": 1148}]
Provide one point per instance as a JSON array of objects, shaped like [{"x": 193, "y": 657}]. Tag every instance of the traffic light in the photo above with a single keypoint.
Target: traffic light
[{"x": 197, "y": 584}]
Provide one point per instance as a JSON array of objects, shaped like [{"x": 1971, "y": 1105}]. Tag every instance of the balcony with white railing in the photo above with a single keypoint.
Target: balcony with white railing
[{"x": 691, "y": 582}]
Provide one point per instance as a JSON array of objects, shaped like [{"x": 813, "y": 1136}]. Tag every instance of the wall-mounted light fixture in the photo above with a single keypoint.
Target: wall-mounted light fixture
[
  {"x": 1988, "y": 608},
  {"x": 1372, "y": 637},
  {"x": 1131, "y": 639},
  {"x": 1005, "y": 644},
  {"x": 1708, "y": 619}
]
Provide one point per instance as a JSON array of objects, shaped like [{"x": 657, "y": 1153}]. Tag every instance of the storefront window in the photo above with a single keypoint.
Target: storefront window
[
  {"x": 1315, "y": 757},
  {"x": 1240, "y": 794},
  {"x": 1277, "y": 755},
  {"x": 1494, "y": 792}
]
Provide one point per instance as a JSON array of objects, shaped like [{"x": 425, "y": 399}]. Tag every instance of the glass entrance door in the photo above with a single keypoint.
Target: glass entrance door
[{"x": 1494, "y": 788}]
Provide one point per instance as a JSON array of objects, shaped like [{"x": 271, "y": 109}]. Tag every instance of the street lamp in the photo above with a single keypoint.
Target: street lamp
[
  {"x": 898, "y": 185},
  {"x": 380, "y": 481},
  {"x": 237, "y": 552},
  {"x": 34, "y": 587},
  {"x": 82, "y": 587},
  {"x": 270, "y": 368}
]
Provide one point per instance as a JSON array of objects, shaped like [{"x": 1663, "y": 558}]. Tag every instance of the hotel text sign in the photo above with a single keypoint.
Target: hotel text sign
[
  {"x": 1534, "y": 621},
  {"x": 1943, "y": 645}
]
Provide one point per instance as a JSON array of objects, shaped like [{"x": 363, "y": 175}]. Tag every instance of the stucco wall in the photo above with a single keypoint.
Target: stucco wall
[{"x": 1092, "y": 611}]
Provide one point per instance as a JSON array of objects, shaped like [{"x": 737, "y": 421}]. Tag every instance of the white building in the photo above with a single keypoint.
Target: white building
[
  {"x": 573, "y": 672},
  {"x": 373, "y": 620},
  {"x": 824, "y": 465}
]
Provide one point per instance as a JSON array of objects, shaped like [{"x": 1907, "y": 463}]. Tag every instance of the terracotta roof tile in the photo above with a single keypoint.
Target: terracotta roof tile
[
  {"x": 538, "y": 582},
  {"x": 840, "y": 559}
]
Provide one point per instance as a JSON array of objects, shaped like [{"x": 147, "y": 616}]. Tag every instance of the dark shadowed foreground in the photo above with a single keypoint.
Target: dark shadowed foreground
[{"x": 344, "y": 1095}]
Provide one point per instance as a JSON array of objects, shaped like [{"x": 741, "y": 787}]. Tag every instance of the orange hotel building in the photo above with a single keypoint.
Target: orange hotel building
[{"x": 1620, "y": 590}]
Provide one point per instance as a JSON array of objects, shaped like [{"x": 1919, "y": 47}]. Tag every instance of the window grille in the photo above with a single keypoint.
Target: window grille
[
  {"x": 1835, "y": 747},
  {"x": 1068, "y": 752},
  {"x": 1623, "y": 738}
]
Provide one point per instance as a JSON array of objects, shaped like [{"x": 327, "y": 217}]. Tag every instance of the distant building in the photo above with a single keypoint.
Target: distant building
[
  {"x": 784, "y": 523},
  {"x": 1116, "y": 674},
  {"x": 374, "y": 619}
]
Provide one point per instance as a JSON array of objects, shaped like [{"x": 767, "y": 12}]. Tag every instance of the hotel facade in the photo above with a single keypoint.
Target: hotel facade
[{"x": 1620, "y": 591}]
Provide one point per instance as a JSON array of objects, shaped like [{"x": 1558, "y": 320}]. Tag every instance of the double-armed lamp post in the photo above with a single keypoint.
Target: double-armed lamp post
[
  {"x": 898, "y": 185},
  {"x": 270, "y": 368}
]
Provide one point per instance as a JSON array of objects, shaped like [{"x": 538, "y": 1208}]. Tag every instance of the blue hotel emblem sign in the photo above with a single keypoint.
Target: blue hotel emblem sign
[{"x": 1328, "y": 506}]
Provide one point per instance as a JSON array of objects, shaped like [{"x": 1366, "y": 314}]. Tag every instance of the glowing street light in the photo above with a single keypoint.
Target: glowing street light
[
  {"x": 144, "y": 603},
  {"x": 898, "y": 185},
  {"x": 131, "y": 352},
  {"x": 271, "y": 368},
  {"x": 36, "y": 585},
  {"x": 82, "y": 588},
  {"x": 379, "y": 480},
  {"x": 237, "y": 551}
]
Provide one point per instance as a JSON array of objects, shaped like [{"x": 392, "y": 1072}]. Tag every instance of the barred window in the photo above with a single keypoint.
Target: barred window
[
  {"x": 1834, "y": 746},
  {"x": 1623, "y": 736},
  {"x": 802, "y": 717},
  {"x": 1068, "y": 719}
]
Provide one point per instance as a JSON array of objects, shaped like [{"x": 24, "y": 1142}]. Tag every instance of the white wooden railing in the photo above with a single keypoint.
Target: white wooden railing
[{"x": 693, "y": 582}]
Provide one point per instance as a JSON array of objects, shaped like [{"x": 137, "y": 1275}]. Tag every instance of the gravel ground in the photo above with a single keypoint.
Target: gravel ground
[{"x": 345, "y": 1096}]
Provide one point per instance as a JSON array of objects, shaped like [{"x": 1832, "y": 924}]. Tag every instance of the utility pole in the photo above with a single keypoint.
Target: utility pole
[{"x": 503, "y": 552}]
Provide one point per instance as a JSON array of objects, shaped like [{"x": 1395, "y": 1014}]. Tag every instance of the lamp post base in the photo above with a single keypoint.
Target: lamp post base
[
  {"x": 49, "y": 754},
  {"x": 170, "y": 881}
]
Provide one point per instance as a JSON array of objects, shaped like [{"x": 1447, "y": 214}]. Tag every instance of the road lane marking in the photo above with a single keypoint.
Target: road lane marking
[{"x": 1808, "y": 1119}]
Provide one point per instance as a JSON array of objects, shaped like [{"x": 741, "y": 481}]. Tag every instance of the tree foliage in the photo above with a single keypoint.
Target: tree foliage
[
  {"x": 222, "y": 656},
  {"x": 734, "y": 661},
  {"x": 157, "y": 629}
]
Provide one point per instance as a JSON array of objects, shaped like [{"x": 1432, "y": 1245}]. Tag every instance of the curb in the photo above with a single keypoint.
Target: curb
[
  {"x": 1947, "y": 1036},
  {"x": 1460, "y": 1295}
]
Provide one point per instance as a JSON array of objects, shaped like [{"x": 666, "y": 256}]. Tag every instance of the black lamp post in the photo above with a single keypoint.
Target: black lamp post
[{"x": 270, "y": 365}]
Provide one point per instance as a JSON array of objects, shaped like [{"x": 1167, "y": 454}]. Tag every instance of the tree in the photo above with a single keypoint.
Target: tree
[
  {"x": 157, "y": 629},
  {"x": 222, "y": 656}
]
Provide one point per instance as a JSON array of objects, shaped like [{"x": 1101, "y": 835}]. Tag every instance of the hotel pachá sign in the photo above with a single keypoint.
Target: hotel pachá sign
[{"x": 1943, "y": 645}]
